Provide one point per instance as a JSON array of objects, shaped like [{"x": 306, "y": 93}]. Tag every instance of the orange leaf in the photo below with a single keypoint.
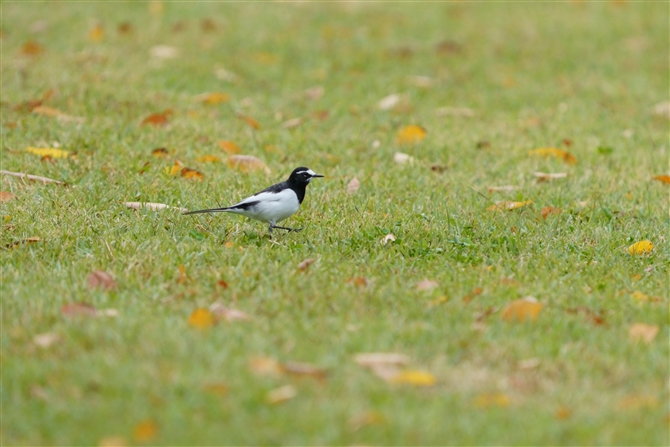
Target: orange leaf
[
  {"x": 213, "y": 98},
  {"x": 524, "y": 309},
  {"x": 30, "y": 240},
  {"x": 492, "y": 400},
  {"x": 411, "y": 134},
  {"x": 247, "y": 163},
  {"x": 182, "y": 275},
  {"x": 641, "y": 248},
  {"x": 554, "y": 152},
  {"x": 201, "y": 319},
  {"x": 160, "y": 152},
  {"x": 209, "y": 159},
  {"x": 547, "y": 210},
  {"x": 411, "y": 377},
  {"x": 663, "y": 178},
  {"x": 32, "y": 48},
  {"x": 643, "y": 332},
  {"x": 250, "y": 121},
  {"x": 6, "y": 196},
  {"x": 304, "y": 265},
  {"x": 229, "y": 147},
  {"x": 358, "y": 281},
  {"x": 476, "y": 291},
  {"x": 192, "y": 174},
  {"x": 145, "y": 431},
  {"x": 100, "y": 279},
  {"x": 509, "y": 205},
  {"x": 157, "y": 119},
  {"x": 96, "y": 33}
]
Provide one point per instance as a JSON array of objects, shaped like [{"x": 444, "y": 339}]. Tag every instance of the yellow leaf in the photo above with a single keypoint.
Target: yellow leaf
[
  {"x": 250, "y": 121},
  {"x": 411, "y": 134},
  {"x": 209, "y": 159},
  {"x": 509, "y": 205},
  {"x": 213, "y": 98},
  {"x": 201, "y": 319},
  {"x": 175, "y": 168},
  {"x": 643, "y": 332},
  {"x": 492, "y": 400},
  {"x": 663, "y": 178},
  {"x": 640, "y": 248},
  {"x": 32, "y": 48},
  {"x": 229, "y": 147},
  {"x": 247, "y": 163},
  {"x": 524, "y": 309},
  {"x": 160, "y": 152},
  {"x": 554, "y": 152},
  {"x": 412, "y": 377},
  {"x": 145, "y": 431},
  {"x": 48, "y": 152},
  {"x": 642, "y": 297},
  {"x": 97, "y": 33}
]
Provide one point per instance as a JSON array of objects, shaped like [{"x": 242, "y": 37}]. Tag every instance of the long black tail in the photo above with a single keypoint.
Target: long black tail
[{"x": 212, "y": 210}]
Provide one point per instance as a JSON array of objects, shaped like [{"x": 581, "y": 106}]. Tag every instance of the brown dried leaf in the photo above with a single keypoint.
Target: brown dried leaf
[
  {"x": 426, "y": 284},
  {"x": 663, "y": 178},
  {"x": 247, "y": 163},
  {"x": 554, "y": 152},
  {"x": 145, "y": 431},
  {"x": 160, "y": 152},
  {"x": 353, "y": 185},
  {"x": 157, "y": 119},
  {"x": 304, "y": 369},
  {"x": 304, "y": 265},
  {"x": 643, "y": 332},
  {"x": 250, "y": 121},
  {"x": 475, "y": 292},
  {"x": 32, "y": 48},
  {"x": 97, "y": 33},
  {"x": 30, "y": 240},
  {"x": 213, "y": 98},
  {"x": 191, "y": 174},
  {"x": 218, "y": 389},
  {"x": 549, "y": 210},
  {"x": 99, "y": 279},
  {"x": 78, "y": 310},
  {"x": 524, "y": 309},
  {"x": 358, "y": 281},
  {"x": 6, "y": 196},
  {"x": 229, "y": 147}
]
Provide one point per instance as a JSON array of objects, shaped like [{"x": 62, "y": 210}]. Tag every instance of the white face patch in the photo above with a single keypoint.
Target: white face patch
[{"x": 311, "y": 173}]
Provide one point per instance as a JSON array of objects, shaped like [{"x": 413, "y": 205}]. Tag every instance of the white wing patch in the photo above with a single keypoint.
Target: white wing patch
[{"x": 271, "y": 207}]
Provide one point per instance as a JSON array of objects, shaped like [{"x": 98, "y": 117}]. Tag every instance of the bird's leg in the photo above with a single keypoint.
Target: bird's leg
[{"x": 287, "y": 228}]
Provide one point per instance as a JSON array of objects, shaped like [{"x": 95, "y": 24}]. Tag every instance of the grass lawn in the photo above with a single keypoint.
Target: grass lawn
[{"x": 488, "y": 82}]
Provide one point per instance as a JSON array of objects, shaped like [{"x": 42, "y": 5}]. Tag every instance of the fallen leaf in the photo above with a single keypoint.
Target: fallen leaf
[
  {"x": 295, "y": 122},
  {"x": 32, "y": 48},
  {"x": 505, "y": 205},
  {"x": 191, "y": 174},
  {"x": 47, "y": 339},
  {"x": 157, "y": 119},
  {"x": 222, "y": 283},
  {"x": 247, "y": 163},
  {"x": 549, "y": 210},
  {"x": 383, "y": 365},
  {"x": 160, "y": 152},
  {"x": 229, "y": 147},
  {"x": 145, "y": 431},
  {"x": 265, "y": 366},
  {"x": 315, "y": 92},
  {"x": 78, "y": 310},
  {"x": 151, "y": 206},
  {"x": 643, "y": 332},
  {"x": 358, "y": 281},
  {"x": 389, "y": 102},
  {"x": 304, "y": 265},
  {"x": 213, "y": 98},
  {"x": 455, "y": 111},
  {"x": 475, "y": 292},
  {"x": 594, "y": 317},
  {"x": 99, "y": 279},
  {"x": 281, "y": 394},
  {"x": 505, "y": 188},
  {"x": 6, "y": 196},
  {"x": 209, "y": 159},
  {"x": 411, "y": 377},
  {"x": 164, "y": 52},
  {"x": 492, "y": 400},
  {"x": 97, "y": 33},
  {"x": 524, "y": 309},
  {"x": 448, "y": 47},
  {"x": 411, "y": 134},
  {"x": 426, "y": 284},
  {"x": 55, "y": 113},
  {"x": 250, "y": 121},
  {"x": 557, "y": 153},
  {"x": 544, "y": 176},
  {"x": 30, "y": 240},
  {"x": 222, "y": 312},
  {"x": 439, "y": 168},
  {"x": 304, "y": 369},
  {"x": 182, "y": 274},
  {"x": 401, "y": 158},
  {"x": 113, "y": 441},
  {"x": 644, "y": 298},
  {"x": 201, "y": 319},
  {"x": 124, "y": 28},
  {"x": 640, "y": 248},
  {"x": 663, "y": 178},
  {"x": 353, "y": 185},
  {"x": 388, "y": 238}
]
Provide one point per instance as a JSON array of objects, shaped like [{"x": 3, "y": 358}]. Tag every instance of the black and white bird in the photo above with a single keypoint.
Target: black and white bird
[{"x": 274, "y": 203}]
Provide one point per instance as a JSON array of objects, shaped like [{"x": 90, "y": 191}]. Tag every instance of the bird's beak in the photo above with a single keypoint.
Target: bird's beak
[{"x": 317, "y": 175}]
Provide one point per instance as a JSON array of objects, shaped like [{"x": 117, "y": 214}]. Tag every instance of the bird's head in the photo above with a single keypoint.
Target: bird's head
[{"x": 302, "y": 175}]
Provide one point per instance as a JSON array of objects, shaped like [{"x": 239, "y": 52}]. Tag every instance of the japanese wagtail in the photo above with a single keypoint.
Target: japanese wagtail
[{"x": 274, "y": 203}]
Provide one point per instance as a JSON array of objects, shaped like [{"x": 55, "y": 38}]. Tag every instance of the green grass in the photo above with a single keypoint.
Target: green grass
[{"x": 534, "y": 74}]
